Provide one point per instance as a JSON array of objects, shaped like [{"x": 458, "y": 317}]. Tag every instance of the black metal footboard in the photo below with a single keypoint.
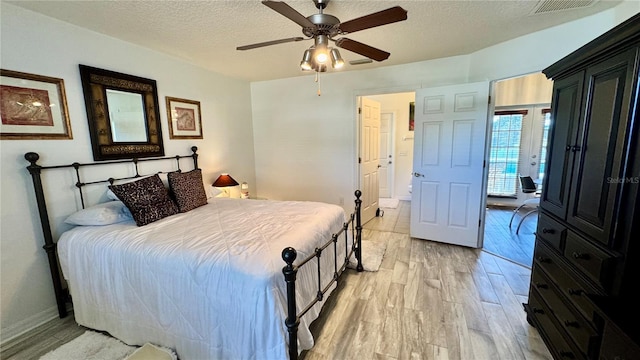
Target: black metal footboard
[{"x": 290, "y": 271}]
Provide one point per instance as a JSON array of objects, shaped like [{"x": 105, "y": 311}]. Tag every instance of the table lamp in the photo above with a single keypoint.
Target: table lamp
[{"x": 223, "y": 181}]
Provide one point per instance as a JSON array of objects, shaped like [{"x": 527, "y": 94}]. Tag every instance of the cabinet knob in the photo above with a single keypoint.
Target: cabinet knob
[
  {"x": 543, "y": 259},
  {"x": 575, "y": 292},
  {"x": 580, "y": 256},
  {"x": 548, "y": 231},
  {"x": 540, "y": 285}
]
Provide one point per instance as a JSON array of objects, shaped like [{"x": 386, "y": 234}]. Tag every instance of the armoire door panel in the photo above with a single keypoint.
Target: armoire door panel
[
  {"x": 565, "y": 116},
  {"x": 600, "y": 148}
]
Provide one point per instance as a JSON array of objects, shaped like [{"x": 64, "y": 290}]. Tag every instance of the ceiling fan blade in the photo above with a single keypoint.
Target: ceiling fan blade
[
  {"x": 362, "y": 49},
  {"x": 267, "y": 43},
  {"x": 360, "y": 61},
  {"x": 379, "y": 18},
  {"x": 289, "y": 12}
]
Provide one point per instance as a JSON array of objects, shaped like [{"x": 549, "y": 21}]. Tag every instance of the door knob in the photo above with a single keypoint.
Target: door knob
[
  {"x": 389, "y": 162},
  {"x": 533, "y": 163},
  {"x": 379, "y": 166},
  {"x": 417, "y": 174}
]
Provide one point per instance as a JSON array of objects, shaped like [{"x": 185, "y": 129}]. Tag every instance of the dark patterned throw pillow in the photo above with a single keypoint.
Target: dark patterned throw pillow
[
  {"x": 187, "y": 189},
  {"x": 147, "y": 199}
]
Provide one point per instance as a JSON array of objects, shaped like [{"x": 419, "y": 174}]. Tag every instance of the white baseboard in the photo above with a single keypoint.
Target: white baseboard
[{"x": 13, "y": 331}]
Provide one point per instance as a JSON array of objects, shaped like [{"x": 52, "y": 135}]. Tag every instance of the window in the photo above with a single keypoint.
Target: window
[
  {"x": 504, "y": 155},
  {"x": 546, "y": 118}
]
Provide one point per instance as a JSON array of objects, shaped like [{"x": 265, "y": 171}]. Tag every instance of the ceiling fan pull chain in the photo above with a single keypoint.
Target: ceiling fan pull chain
[{"x": 318, "y": 81}]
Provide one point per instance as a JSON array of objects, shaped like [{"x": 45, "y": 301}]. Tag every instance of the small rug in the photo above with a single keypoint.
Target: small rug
[
  {"x": 388, "y": 203},
  {"x": 372, "y": 255},
  {"x": 96, "y": 346}
]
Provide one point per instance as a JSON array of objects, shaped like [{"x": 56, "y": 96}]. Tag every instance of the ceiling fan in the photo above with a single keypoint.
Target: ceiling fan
[{"x": 322, "y": 28}]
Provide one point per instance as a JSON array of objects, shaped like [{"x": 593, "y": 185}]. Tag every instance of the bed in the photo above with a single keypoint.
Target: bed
[{"x": 228, "y": 279}]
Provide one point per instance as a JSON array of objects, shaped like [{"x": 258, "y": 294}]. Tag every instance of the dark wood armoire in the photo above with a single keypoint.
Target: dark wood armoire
[{"x": 586, "y": 268}]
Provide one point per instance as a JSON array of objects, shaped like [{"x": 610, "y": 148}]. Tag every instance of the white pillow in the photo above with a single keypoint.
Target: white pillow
[
  {"x": 211, "y": 191},
  {"x": 107, "y": 213}
]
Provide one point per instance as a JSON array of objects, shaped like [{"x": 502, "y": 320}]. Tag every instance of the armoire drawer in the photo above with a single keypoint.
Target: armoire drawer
[
  {"x": 617, "y": 346},
  {"x": 587, "y": 257},
  {"x": 543, "y": 316},
  {"x": 583, "y": 334},
  {"x": 575, "y": 290},
  {"x": 551, "y": 231}
]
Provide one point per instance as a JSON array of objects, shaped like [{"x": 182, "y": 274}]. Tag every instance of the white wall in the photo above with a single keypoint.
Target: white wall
[
  {"x": 529, "y": 89},
  {"x": 40, "y": 45},
  {"x": 306, "y": 144},
  {"x": 398, "y": 104}
]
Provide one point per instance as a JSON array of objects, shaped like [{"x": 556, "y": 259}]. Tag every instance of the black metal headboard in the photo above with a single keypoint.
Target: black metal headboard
[{"x": 61, "y": 293}]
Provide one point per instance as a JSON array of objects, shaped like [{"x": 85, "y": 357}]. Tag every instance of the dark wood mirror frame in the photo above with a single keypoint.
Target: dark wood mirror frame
[{"x": 95, "y": 83}]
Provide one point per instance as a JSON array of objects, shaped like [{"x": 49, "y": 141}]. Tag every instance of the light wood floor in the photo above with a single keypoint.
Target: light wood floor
[
  {"x": 500, "y": 239},
  {"x": 427, "y": 301}
]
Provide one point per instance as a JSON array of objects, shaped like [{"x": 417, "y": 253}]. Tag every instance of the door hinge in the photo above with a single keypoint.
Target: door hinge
[
  {"x": 359, "y": 110},
  {"x": 479, "y": 222},
  {"x": 359, "y": 160},
  {"x": 484, "y": 164},
  {"x": 489, "y": 101}
]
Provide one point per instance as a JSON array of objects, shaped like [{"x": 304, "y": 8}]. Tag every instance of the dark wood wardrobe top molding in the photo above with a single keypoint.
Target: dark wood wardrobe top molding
[{"x": 605, "y": 45}]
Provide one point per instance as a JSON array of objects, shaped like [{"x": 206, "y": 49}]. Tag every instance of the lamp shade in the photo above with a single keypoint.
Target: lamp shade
[{"x": 224, "y": 180}]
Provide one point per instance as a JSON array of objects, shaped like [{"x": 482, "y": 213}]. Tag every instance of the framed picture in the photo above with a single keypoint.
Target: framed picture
[
  {"x": 184, "y": 118},
  {"x": 412, "y": 115},
  {"x": 123, "y": 114},
  {"x": 32, "y": 107}
]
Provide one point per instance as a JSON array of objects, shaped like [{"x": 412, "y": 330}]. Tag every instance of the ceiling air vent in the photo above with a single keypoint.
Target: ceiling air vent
[{"x": 547, "y": 6}]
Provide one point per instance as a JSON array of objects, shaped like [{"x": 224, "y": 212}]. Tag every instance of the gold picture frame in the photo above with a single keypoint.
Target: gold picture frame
[
  {"x": 185, "y": 119},
  {"x": 33, "y": 107}
]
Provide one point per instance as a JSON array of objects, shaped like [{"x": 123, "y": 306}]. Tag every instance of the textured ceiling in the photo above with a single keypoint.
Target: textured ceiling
[{"x": 206, "y": 33}]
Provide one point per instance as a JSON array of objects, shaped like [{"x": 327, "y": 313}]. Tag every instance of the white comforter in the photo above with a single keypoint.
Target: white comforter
[{"x": 207, "y": 283}]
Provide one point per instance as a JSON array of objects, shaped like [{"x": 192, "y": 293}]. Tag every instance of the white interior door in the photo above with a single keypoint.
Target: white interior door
[
  {"x": 369, "y": 157},
  {"x": 448, "y": 157},
  {"x": 385, "y": 159}
]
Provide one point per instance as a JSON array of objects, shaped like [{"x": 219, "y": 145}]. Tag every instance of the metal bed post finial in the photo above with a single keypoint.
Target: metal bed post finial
[
  {"x": 49, "y": 245},
  {"x": 359, "y": 267},
  {"x": 194, "y": 150},
  {"x": 289, "y": 255}
]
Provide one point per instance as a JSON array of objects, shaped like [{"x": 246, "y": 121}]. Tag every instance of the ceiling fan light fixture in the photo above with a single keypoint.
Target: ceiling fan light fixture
[
  {"x": 321, "y": 57},
  {"x": 336, "y": 59},
  {"x": 307, "y": 58},
  {"x": 321, "y": 50}
]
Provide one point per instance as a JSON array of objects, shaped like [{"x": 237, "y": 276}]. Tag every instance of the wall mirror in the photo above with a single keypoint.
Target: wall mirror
[{"x": 123, "y": 113}]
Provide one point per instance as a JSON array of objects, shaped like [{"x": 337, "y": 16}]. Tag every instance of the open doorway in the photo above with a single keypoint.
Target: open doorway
[
  {"x": 395, "y": 161},
  {"x": 517, "y": 151},
  {"x": 396, "y": 144}
]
